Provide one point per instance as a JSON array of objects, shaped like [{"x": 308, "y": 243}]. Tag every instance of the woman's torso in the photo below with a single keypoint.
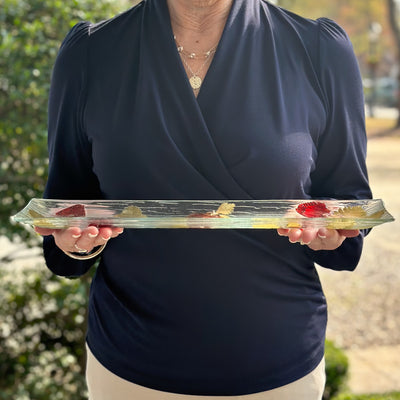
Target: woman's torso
[{"x": 199, "y": 311}]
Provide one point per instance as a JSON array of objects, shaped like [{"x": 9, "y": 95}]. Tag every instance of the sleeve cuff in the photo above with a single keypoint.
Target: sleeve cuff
[{"x": 60, "y": 264}]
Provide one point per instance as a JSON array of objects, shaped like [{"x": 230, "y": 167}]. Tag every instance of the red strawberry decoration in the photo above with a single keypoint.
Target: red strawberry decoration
[
  {"x": 313, "y": 209},
  {"x": 77, "y": 210}
]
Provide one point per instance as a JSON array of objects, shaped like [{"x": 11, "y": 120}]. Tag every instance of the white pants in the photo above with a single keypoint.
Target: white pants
[{"x": 104, "y": 385}]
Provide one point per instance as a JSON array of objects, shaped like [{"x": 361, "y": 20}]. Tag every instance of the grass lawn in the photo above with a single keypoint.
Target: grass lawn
[{"x": 388, "y": 396}]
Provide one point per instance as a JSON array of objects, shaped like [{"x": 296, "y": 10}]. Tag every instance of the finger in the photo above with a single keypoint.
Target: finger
[
  {"x": 294, "y": 235},
  {"x": 88, "y": 239},
  {"x": 308, "y": 235},
  {"x": 327, "y": 239},
  {"x": 67, "y": 234},
  {"x": 105, "y": 232},
  {"x": 104, "y": 235},
  {"x": 66, "y": 238},
  {"x": 323, "y": 233},
  {"x": 349, "y": 232},
  {"x": 282, "y": 231},
  {"x": 116, "y": 232}
]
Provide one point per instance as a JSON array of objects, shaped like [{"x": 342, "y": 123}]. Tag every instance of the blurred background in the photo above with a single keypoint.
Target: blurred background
[{"x": 43, "y": 317}]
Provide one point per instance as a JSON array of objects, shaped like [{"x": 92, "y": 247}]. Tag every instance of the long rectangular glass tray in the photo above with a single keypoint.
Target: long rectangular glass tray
[{"x": 206, "y": 214}]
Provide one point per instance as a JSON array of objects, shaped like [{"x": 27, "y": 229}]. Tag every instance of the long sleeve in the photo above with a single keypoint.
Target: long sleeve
[
  {"x": 340, "y": 171},
  {"x": 70, "y": 160}
]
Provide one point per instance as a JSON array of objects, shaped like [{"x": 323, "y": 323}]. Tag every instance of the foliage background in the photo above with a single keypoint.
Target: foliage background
[
  {"x": 42, "y": 317},
  {"x": 42, "y": 336},
  {"x": 356, "y": 17},
  {"x": 31, "y": 32}
]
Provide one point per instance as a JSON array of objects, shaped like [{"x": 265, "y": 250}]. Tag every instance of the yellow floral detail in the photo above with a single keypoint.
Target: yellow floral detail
[
  {"x": 225, "y": 209},
  {"x": 350, "y": 211},
  {"x": 131, "y": 212}
]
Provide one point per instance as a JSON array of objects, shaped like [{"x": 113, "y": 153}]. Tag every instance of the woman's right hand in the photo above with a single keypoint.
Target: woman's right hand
[{"x": 75, "y": 239}]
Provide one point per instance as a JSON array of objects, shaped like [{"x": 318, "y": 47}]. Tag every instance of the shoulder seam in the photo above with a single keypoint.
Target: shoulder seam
[
  {"x": 319, "y": 66},
  {"x": 318, "y": 69},
  {"x": 94, "y": 27},
  {"x": 81, "y": 100}
]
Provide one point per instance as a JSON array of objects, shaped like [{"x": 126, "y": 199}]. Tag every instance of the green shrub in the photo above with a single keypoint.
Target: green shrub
[
  {"x": 336, "y": 369},
  {"x": 387, "y": 396},
  {"x": 42, "y": 335},
  {"x": 31, "y": 32}
]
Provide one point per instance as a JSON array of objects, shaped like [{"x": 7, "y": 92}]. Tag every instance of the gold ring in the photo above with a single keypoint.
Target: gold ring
[{"x": 87, "y": 256}]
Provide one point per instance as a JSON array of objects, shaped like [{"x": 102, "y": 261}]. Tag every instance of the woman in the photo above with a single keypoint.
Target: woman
[{"x": 217, "y": 99}]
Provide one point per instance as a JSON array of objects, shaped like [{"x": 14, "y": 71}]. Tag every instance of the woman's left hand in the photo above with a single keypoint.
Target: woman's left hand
[{"x": 319, "y": 239}]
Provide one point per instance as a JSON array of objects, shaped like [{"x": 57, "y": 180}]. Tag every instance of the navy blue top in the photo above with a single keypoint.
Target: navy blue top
[{"x": 280, "y": 115}]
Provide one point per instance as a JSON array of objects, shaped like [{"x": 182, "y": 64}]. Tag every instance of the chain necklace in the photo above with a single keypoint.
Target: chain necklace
[
  {"x": 192, "y": 55},
  {"x": 195, "y": 80}
]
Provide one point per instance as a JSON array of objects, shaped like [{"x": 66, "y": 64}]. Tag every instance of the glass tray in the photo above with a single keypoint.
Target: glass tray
[{"x": 206, "y": 214}]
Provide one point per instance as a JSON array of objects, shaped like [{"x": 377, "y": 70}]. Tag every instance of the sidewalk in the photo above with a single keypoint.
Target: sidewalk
[
  {"x": 374, "y": 370},
  {"x": 363, "y": 306}
]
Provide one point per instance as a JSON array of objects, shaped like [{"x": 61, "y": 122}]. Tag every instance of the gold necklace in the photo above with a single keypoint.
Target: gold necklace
[
  {"x": 195, "y": 80},
  {"x": 193, "y": 55}
]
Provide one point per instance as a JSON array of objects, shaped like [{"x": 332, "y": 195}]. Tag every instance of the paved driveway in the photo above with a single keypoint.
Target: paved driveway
[{"x": 364, "y": 305}]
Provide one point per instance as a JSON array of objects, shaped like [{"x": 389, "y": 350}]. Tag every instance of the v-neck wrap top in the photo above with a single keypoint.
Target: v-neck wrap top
[{"x": 280, "y": 115}]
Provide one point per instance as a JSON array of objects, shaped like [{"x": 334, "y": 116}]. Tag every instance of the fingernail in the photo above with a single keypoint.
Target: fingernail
[
  {"x": 92, "y": 235},
  {"x": 291, "y": 241},
  {"x": 322, "y": 233},
  {"x": 76, "y": 236},
  {"x": 105, "y": 238}
]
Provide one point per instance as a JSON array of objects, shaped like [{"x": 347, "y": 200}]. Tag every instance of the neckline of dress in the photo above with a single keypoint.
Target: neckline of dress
[{"x": 231, "y": 15}]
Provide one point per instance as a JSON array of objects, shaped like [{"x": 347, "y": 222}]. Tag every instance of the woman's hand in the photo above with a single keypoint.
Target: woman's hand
[
  {"x": 78, "y": 240},
  {"x": 319, "y": 239}
]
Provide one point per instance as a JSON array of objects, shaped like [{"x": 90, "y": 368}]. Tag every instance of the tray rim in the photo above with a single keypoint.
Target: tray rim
[{"x": 139, "y": 222}]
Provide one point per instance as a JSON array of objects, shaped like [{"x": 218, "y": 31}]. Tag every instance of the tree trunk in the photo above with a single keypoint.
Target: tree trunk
[{"x": 394, "y": 24}]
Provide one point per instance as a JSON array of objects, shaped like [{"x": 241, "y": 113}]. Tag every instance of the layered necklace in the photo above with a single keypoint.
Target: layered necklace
[{"x": 195, "y": 80}]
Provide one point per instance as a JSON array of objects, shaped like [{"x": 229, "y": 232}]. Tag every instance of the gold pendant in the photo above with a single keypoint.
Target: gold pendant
[{"x": 195, "y": 82}]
